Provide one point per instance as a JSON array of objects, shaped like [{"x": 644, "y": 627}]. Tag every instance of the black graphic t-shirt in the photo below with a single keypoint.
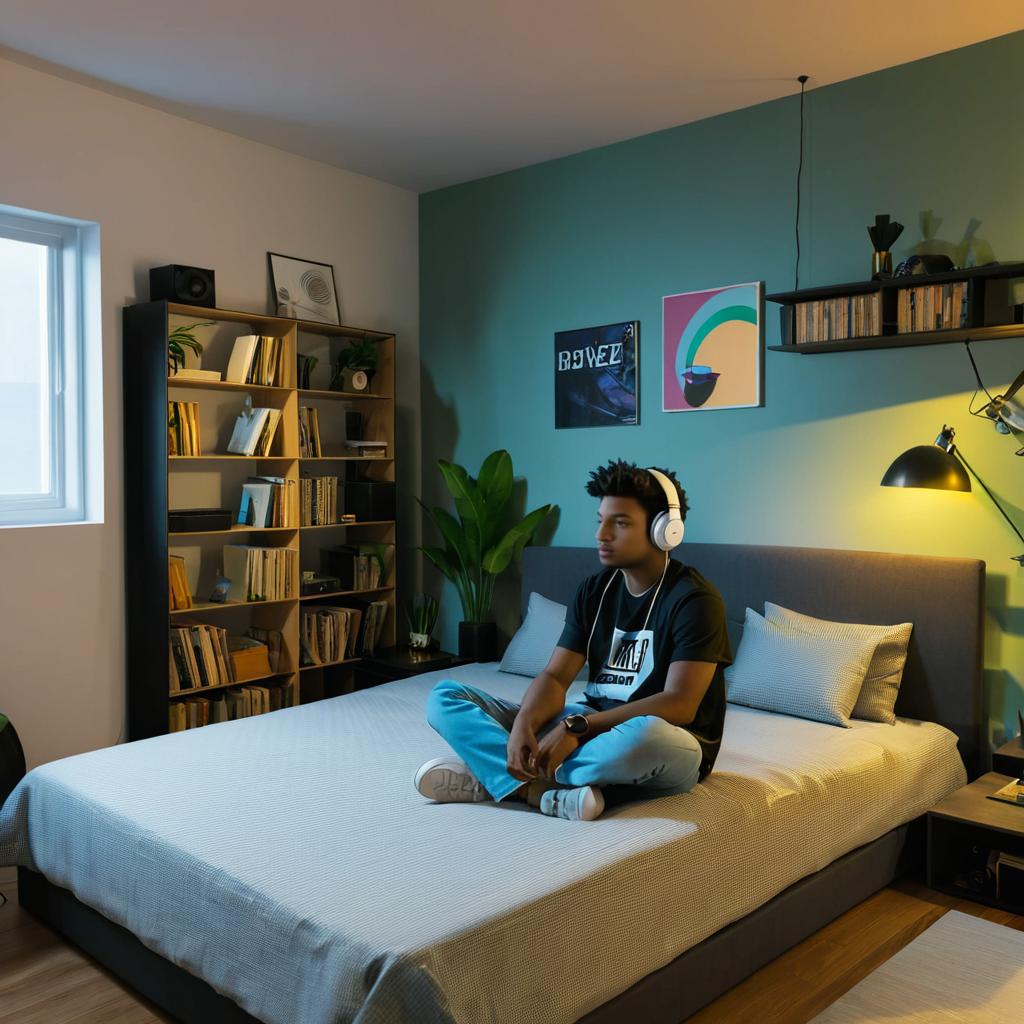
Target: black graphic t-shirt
[{"x": 628, "y": 662}]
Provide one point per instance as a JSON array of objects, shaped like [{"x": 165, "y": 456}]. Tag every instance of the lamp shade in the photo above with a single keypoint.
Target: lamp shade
[{"x": 927, "y": 465}]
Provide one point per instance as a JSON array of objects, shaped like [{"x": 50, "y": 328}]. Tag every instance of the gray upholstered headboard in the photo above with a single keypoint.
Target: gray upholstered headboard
[{"x": 943, "y": 597}]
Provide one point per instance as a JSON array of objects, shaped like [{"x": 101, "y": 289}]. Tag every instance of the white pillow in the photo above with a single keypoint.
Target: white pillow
[
  {"x": 795, "y": 673},
  {"x": 530, "y": 650},
  {"x": 877, "y": 700}
]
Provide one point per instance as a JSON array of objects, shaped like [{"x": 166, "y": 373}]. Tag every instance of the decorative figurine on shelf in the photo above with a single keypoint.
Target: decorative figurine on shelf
[
  {"x": 360, "y": 359},
  {"x": 883, "y": 234},
  {"x": 421, "y": 611}
]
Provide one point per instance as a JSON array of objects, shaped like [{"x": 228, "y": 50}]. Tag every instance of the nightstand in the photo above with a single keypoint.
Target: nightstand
[
  {"x": 392, "y": 663},
  {"x": 1009, "y": 758},
  {"x": 964, "y": 832}
]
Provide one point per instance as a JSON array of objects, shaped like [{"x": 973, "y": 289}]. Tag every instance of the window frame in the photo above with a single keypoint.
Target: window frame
[{"x": 65, "y": 502}]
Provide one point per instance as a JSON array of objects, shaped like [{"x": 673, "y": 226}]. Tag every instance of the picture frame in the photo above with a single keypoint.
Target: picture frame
[
  {"x": 303, "y": 289},
  {"x": 597, "y": 378},
  {"x": 713, "y": 348}
]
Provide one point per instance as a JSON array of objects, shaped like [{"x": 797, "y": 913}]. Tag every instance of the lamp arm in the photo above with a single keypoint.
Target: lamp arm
[{"x": 954, "y": 449}]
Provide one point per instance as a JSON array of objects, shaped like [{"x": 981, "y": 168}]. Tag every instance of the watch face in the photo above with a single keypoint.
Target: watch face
[{"x": 576, "y": 724}]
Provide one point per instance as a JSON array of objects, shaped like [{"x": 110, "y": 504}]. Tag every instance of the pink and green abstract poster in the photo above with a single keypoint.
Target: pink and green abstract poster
[{"x": 713, "y": 348}]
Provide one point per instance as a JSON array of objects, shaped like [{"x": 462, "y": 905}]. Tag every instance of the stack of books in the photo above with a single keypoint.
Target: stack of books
[
  {"x": 320, "y": 502},
  {"x": 183, "y": 428},
  {"x": 932, "y": 307},
  {"x": 181, "y": 597},
  {"x": 265, "y": 502},
  {"x": 199, "y": 657},
  {"x": 329, "y": 634},
  {"x": 259, "y": 574},
  {"x": 256, "y": 359},
  {"x": 254, "y": 431},
  {"x": 272, "y": 640},
  {"x": 229, "y": 705},
  {"x": 848, "y": 316},
  {"x": 368, "y": 449},
  {"x": 374, "y": 615},
  {"x": 309, "y": 433}
]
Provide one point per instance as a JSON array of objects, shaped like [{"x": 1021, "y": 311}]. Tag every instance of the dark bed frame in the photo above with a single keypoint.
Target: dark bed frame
[{"x": 943, "y": 597}]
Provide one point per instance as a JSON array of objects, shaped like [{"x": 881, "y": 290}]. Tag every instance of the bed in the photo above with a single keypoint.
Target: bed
[{"x": 192, "y": 867}]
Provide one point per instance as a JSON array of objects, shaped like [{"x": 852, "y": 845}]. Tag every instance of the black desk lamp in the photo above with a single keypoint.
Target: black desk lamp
[{"x": 940, "y": 465}]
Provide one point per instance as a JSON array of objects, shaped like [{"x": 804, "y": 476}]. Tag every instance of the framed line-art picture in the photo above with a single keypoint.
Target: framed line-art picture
[
  {"x": 596, "y": 376},
  {"x": 713, "y": 348},
  {"x": 303, "y": 289}
]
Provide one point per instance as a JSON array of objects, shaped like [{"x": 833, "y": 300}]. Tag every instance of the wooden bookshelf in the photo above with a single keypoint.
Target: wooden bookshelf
[{"x": 156, "y": 482}]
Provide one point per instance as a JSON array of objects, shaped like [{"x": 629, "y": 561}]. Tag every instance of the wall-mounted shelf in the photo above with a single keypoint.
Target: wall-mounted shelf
[{"x": 990, "y": 311}]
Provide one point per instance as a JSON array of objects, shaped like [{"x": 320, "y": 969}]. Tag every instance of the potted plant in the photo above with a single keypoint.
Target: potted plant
[
  {"x": 178, "y": 340},
  {"x": 478, "y": 548},
  {"x": 360, "y": 354},
  {"x": 421, "y": 611}
]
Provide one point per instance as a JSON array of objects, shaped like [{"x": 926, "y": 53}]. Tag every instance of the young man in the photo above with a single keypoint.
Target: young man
[{"x": 652, "y": 632}]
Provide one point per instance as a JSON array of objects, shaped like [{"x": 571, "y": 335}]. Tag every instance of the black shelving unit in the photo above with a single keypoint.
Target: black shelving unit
[{"x": 992, "y": 314}]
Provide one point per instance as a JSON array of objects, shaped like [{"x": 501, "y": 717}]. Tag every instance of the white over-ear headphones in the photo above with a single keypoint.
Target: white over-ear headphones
[{"x": 668, "y": 527}]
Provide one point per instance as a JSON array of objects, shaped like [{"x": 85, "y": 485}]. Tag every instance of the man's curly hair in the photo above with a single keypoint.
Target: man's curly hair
[{"x": 621, "y": 479}]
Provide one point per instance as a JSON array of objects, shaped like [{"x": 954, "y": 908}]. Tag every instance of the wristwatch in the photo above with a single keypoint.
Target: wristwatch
[{"x": 577, "y": 725}]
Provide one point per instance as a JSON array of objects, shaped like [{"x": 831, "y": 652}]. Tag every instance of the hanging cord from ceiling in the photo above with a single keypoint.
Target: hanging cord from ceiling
[{"x": 802, "y": 79}]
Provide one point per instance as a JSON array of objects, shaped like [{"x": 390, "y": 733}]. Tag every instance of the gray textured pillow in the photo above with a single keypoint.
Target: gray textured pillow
[
  {"x": 877, "y": 700},
  {"x": 795, "y": 673},
  {"x": 530, "y": 650}
]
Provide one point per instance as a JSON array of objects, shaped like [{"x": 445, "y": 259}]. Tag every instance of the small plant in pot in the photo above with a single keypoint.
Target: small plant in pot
[
  {"x": 178, "y": 340},
  {"x": 359, "y": 359},
  {"x": 421, "y": 611},
  {"x": 478, "y": 547}
]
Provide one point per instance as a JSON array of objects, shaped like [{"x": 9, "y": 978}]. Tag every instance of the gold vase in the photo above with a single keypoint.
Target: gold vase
[{"x": 881, "y": 263}]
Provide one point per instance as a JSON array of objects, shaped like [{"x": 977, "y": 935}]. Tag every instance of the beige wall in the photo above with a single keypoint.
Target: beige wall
[{"x": 166, "y": 190}]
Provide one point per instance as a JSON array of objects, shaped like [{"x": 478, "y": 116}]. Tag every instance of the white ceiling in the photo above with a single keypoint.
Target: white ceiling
[{"x": 427, "y": 93}]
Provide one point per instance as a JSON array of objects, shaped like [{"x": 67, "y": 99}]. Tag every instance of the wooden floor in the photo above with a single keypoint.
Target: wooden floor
[{"x": 43, "y": 980}]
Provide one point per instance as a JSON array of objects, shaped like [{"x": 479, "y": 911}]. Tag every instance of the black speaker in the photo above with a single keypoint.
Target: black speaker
[{"x": 191, "y": 286}]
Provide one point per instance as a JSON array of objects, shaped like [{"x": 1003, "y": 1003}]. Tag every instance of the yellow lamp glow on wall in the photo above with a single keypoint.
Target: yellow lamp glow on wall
[{"x": 940, "y": 465}]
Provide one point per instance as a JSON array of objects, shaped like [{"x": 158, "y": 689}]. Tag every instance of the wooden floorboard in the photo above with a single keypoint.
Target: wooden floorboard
[{"x": 45, "y": 980}]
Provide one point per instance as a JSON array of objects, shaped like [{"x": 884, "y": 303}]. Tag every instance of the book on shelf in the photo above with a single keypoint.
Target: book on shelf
[
  {"x": 837, "y": 319},
  {"x": 181, "y": 596},
  {"x": 358, "y": 567},
  {"x": 258, "y": 573},
  {"x": 319, "y": 498},
  {"x": 328, "y": 634},
  {"x": 256, "y": 359},
  {"x": 199, "y": 657},
  {"x": 229, "y": 705},
  {"x": 183, "y": 428},
  {"x": 372, "y": 626},
  {"x": 368, "y": 449},
  {"x": 250, "y": 658},
  {"x": 932, "y": 307},
  {"x": 193, "y": 374},
  {"x": 254, "y": 431},
  {"x": 309, "y": 433},
  {"x": 264, "y": 502},
  {"x": 273, "y": 640}
]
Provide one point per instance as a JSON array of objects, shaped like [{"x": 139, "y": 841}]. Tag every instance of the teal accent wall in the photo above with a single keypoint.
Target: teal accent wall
[{"x": 601, "y": 236}]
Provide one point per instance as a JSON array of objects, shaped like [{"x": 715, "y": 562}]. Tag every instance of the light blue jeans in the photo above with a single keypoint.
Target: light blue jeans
[{"x": 644, "y": 756}]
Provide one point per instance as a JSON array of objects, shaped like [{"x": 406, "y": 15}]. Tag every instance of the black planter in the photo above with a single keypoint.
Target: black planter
[{"x": 478, "y": 641}]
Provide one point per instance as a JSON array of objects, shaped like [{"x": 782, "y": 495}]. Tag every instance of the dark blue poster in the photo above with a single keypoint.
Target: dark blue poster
[{"x": 596, "y": 376}]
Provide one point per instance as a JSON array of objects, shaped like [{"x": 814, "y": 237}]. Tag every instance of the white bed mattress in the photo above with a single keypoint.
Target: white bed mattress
[{"x": 288, "y": 860}]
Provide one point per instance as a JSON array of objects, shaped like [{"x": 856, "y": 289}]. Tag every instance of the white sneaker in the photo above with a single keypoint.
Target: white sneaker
[
  {"x": 584, "y": 803},
  {"x": 449, "y": 780}
]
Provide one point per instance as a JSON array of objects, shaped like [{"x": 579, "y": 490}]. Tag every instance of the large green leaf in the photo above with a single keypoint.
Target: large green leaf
[
  {"x": 453, "y": 534},
  {"x": 497, "y": 559},
  {"x": 442, "y": 561}
]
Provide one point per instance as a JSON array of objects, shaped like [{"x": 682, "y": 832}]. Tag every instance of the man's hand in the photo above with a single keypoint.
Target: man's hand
[
  {"x": 522, "y": 751},
  {"x": 556, "y": 746}
]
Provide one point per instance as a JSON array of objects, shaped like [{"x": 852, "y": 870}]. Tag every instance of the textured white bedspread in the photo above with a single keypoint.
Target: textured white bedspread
[{"x": 288, "y": 860}]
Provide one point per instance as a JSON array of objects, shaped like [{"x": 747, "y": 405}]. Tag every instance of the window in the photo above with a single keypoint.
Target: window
[{"x": 47, "y": 266}]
